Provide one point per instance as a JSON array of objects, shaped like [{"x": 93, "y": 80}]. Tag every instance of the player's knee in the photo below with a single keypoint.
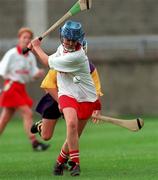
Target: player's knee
[
  {"x": 46, "y": 137},
  {"x": 29, "y": 116},
  {"x": 27, "y": 113},
  {"x": 30, "y": 113},
  {"x": 72, "y": 125}
]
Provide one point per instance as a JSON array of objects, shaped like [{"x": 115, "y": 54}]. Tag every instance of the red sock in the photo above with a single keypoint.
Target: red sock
[
  {"x": 63, "y": 157},
  {"x": 74, "y": 156},
  {"x": 33, "y": 139}
]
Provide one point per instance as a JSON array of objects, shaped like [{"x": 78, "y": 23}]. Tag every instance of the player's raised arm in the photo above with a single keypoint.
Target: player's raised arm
[{"x": 43, "y": 57}]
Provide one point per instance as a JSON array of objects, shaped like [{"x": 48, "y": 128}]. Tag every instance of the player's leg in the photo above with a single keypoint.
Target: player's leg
[
  {"x": 48, "y": 109},
  {"x": 64, "y": 154},
  {"x": 71, "y": 146},
  {"x": 83, "y": 115},
  {"x": 27, "y": 116},
  {"x": 5, "y": 117},
  {"x": 75, "y": 170},
  {"x": 46, "y": 128},
  {"x": 81, "y": 126},
  {"x": 71, "y": 119}
]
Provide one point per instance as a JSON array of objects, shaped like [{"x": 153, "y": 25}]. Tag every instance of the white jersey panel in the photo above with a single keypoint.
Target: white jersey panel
[
  {"x": 70, "y": 65},
  {"x": 17, "y": 67}
]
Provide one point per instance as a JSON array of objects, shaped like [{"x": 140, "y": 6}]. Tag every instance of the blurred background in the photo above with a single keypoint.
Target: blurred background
[{"x": 122, "y": 43}]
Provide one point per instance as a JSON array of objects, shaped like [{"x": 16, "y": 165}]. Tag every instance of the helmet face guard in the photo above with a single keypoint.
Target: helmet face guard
[{"x": 72, "y": 30}]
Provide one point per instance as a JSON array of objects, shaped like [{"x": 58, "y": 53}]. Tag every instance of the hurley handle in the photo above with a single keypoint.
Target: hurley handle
[{"x": 26, "y": 50}]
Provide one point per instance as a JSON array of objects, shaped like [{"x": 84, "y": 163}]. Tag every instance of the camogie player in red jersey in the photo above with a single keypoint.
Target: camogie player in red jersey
[
  {"x": 77, "y": 96},
  {"x": 18, "y": 69}
]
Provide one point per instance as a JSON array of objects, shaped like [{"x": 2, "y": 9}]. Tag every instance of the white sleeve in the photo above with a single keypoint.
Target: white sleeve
[
  {"x": 4, "y": 64},
  {"x": 68, "y": 63},
  {"x": 34, "y": 67}
]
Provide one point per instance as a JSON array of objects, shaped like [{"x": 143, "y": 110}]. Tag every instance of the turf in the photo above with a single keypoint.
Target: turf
[{"x": 107, "y": 152}]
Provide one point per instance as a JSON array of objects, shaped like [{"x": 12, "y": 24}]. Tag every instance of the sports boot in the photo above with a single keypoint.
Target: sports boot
[
  {"x": 36, "y": 127},
  {"x": 74, "y": 168},
  {"x": 38, "y": 146},
  {"x": 58, "y": 169}
]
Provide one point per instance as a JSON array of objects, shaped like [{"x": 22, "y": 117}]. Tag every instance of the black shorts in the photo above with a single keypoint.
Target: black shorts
[{"x": 48, "y": 107}]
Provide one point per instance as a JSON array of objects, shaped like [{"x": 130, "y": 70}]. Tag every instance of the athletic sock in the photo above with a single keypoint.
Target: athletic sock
[
  {"x": 34, "y": 140},
  {"x": 63, "y": 157},
  {"x": 74, "y": 156}
]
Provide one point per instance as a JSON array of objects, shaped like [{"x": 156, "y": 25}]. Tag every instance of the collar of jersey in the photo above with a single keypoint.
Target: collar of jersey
[
  {"x": 78, "y": 47},
  {"x": 19, "y": 49}
]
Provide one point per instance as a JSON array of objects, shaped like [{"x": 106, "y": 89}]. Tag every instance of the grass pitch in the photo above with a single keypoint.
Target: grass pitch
[{"x": 107, "y": 152}]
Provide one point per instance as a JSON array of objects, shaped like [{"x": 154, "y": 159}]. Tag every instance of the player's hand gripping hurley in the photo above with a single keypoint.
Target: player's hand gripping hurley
[{"x": 79, "y": 6}]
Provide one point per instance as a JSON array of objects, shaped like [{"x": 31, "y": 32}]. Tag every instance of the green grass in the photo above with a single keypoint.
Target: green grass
[{"x": 107, "y": 152}]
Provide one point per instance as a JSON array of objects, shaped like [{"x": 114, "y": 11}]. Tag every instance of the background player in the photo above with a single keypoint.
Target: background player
[{"x": 18, "y": 69}]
